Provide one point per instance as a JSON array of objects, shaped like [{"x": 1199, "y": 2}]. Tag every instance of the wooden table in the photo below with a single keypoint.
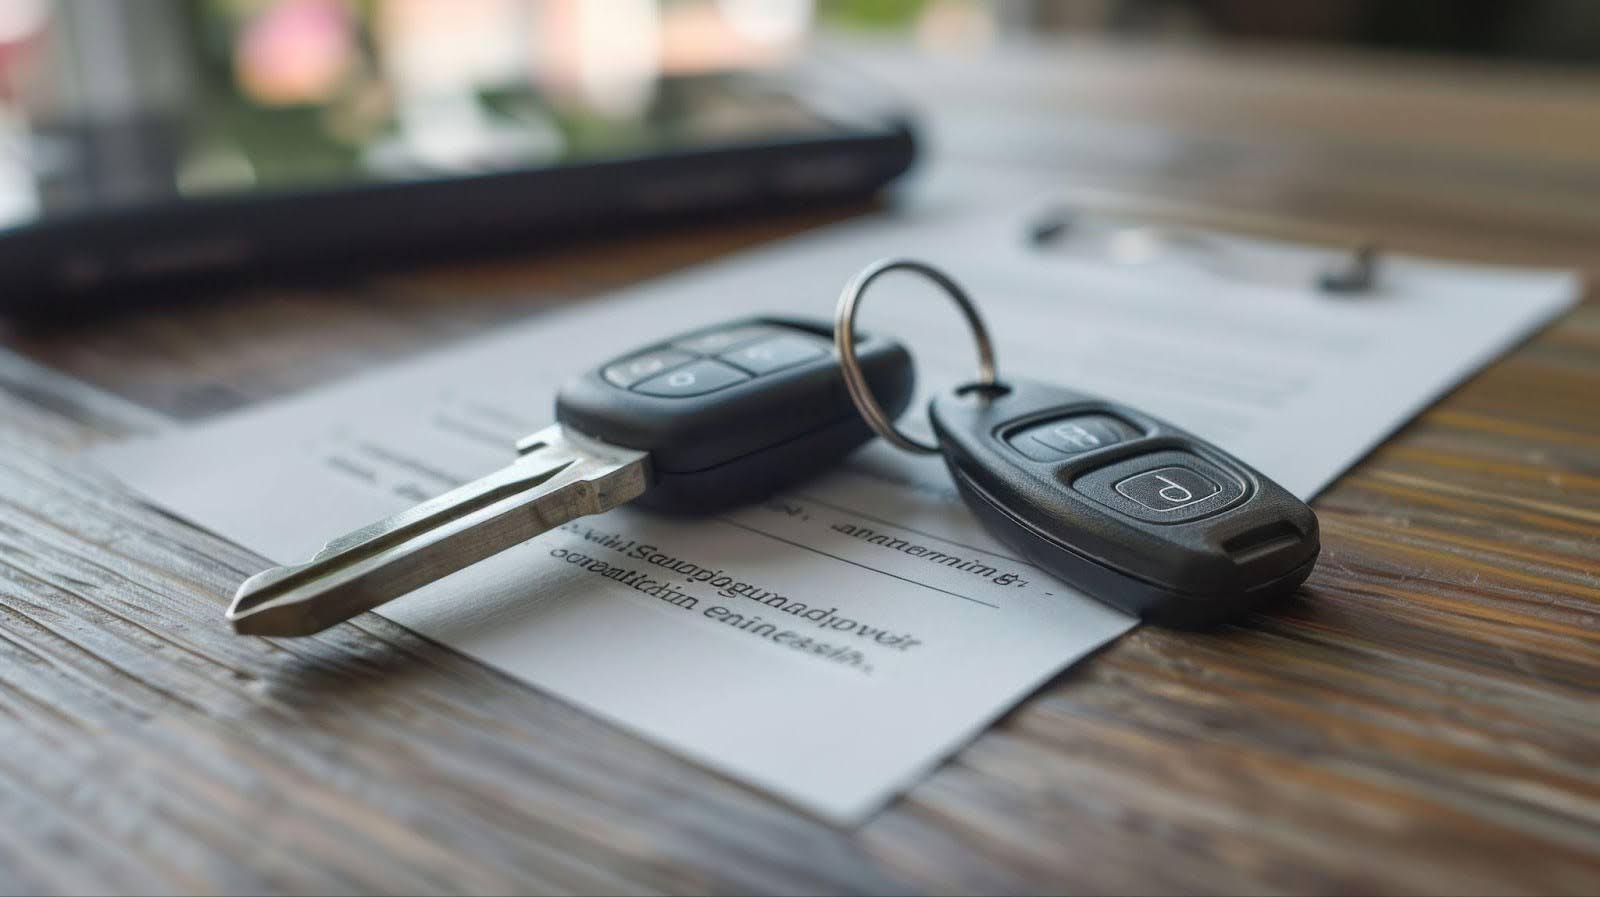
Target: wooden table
[{"x": 1426, "y": 717}]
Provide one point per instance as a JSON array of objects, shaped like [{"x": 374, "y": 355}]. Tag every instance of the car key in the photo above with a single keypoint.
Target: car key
[
  {"x": 1126, "y": 507},
  {"x": 700, "y": 422}
]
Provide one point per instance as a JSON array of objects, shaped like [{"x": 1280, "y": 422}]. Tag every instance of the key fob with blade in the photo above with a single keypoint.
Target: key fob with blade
[
  {"x": 698, "y": 422},
  {"x": 1125, "y": 507},
  {"x": 732, "y": 413}
]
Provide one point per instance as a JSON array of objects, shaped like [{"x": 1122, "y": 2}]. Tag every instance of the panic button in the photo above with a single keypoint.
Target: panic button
[{"x": 1169, "y": 488}]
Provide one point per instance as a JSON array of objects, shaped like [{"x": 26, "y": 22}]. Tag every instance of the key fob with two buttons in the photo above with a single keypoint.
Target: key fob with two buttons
[
  {"x": 1128, "y": 508},
  {"x": 731, "y": 413}
]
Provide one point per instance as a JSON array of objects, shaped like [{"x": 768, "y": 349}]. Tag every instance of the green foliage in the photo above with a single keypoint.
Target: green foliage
[{"x": 870, "y": 15}]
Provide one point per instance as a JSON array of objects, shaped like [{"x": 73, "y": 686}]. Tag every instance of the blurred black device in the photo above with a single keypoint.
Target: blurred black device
[{"x": 199, "y": 173}]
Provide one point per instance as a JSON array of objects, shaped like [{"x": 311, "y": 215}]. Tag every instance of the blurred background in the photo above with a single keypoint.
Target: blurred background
[
  {"x": 376, "y": 83},
  {"x": 1245, "y": 103}
]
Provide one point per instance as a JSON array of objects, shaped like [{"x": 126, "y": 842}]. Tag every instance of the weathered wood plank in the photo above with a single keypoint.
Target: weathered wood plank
[{"x": 1424, "y": 718}]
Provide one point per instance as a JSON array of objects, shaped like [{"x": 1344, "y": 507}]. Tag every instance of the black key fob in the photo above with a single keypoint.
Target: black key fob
[
  {"x": 1123, "y": 506},
  {"x": 732, "y": 413}
]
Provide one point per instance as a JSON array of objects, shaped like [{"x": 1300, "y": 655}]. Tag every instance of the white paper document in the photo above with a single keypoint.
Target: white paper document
[{"x": 834, "y": 643}]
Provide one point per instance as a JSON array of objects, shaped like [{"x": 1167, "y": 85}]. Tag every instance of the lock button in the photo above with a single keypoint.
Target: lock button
[
  {"x": 643, "y": 366},
  {"x": 1062, "y": 438},
  {"x": 694, "y": 379}
]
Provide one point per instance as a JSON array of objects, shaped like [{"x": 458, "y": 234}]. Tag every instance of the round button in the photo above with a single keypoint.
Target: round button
[
  {"x": 629, "y": 371},
  {"x": 694, "y": 379}
]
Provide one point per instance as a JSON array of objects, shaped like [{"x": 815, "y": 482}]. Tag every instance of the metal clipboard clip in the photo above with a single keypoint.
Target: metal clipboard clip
[{"x": 1232, "y": 246}]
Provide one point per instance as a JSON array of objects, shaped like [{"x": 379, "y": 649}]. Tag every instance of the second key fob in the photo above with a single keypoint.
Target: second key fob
[
  {"x": 1123, "y": 506},
  {"x": 734, "y": 412}
]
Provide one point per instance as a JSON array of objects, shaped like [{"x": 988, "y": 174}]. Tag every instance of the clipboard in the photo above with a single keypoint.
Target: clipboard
[{"x": 1135, "y": 234}]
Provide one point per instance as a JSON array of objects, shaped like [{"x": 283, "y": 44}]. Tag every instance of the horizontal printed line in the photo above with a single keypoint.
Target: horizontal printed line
[
  {"x": 909, "y": 529},
  {"x": 924, "y": 585}
]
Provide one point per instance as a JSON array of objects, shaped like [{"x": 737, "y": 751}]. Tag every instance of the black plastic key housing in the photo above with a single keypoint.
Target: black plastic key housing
[
  {"x": 1123, "y": 506},
  {"x": 732, "y": 413}
]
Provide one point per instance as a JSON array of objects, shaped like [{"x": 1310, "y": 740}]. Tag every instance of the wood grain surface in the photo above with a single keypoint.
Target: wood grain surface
[{"x": 1424, "y": 717}]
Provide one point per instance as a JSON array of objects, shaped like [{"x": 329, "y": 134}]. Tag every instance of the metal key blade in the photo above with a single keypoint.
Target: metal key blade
[{"x": 559, "y": 476}]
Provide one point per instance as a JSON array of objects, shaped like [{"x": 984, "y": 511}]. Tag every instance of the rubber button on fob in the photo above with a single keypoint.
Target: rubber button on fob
[
  {"x": 723, "y": 340},
  {"x": 1170, "y": 486},
  {"x": 629, "y": 371},
  {"x": 775, "y": 354},
  {"x": 695, "y": 379},
  {"x": 1168, "y": 489},
  {"x": 1070, "y": 436}
]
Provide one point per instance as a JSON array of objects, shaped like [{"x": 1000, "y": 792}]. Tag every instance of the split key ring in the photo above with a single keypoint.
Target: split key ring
[{"x": 844, "y": 340}]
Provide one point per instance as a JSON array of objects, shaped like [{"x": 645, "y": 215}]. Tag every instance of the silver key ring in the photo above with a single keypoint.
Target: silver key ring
[{"x": 844, "y": 342}]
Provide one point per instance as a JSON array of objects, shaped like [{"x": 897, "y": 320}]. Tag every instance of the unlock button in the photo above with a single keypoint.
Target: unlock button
[{"x": 1168, "y": 488}]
